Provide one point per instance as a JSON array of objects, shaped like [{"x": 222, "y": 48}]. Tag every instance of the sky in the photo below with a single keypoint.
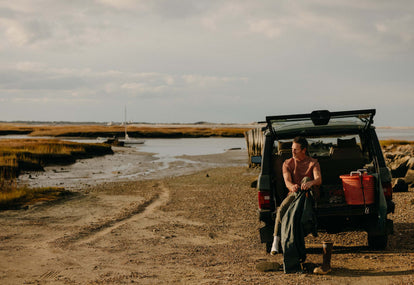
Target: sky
[{"x": 172, "y": 61}]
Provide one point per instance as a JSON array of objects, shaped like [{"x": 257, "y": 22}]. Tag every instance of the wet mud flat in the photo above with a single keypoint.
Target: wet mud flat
[{"x": 126, "y": 164}]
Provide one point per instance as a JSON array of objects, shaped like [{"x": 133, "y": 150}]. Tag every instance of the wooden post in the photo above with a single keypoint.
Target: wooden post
[{"x": 254, "y": 142}]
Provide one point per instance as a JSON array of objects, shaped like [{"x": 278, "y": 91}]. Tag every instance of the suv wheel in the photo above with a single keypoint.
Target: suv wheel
[{"x": 378, "y": 242}]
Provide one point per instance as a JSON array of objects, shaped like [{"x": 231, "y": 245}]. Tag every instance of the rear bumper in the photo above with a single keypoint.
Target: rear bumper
[
  {"x": 266, "y": 216},
  {"x": 351, "y": 210},
  {"x": 345, "y": 210},
  {"x": 358, "y": 217}
]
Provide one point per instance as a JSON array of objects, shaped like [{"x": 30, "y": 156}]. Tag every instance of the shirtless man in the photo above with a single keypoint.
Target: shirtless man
[{"x": 301, "y": 172}]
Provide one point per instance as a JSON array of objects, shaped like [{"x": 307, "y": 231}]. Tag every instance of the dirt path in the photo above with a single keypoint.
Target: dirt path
[{"x": 200, "y": 228}]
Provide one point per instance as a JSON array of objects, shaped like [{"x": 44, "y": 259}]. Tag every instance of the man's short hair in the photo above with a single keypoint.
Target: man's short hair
[{"x": 302, "y": 141}]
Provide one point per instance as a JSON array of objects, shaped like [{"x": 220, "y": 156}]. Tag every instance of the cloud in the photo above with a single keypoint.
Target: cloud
[
  {"x": 143, "y": 88},
  {"x": 397, "y": 29},
  {"x": 61, "y": 83},
  {"x": 15, "y": 32},
  {"x": 220, "y": 54},
  {"x": 208, "y": 81},
  {"x": 124, "y": 4},
  {"x": 266, "y": 27},
  {"x": 49, "y": 100},
  {"x": 364, "y": 25},
  {"x": 360, "y": 25}
]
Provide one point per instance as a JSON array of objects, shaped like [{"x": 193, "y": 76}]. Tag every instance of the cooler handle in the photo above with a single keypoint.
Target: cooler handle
[
  {"x": 360, "y": 172},
  {"x": 363, "y": 171}
]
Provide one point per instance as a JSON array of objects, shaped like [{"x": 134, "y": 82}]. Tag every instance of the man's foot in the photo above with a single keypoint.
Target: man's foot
[
  {"x": 319, "y": 270},
  {"x": 275, "y": 246}
]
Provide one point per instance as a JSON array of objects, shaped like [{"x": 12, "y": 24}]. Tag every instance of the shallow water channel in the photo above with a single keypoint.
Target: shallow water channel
[
  {"x": 157, "y": 158},
  {"x": 154, "y": 159}
]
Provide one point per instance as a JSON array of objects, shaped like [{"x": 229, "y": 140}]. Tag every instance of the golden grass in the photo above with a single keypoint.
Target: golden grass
[
  {"x": 149, "y": 131},
  {"x": 45, "y": 146},
  {"x": 15, "y": 128},
  {"x": 13, "y": 197},
  {"x": 133, "y": 131},
  {"x": 396, "y": 142},
  {"x": 33, "y": 154},
  {"x": 20, "y": 154}
]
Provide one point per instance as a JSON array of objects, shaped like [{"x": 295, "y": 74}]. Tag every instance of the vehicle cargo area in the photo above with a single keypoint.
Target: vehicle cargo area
[{"x": 340, "y": 157}]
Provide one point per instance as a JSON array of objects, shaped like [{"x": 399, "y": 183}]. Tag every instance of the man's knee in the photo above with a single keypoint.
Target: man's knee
[
  {"x": 313, "y": 189},
  {"x": 306, "y": 179}
]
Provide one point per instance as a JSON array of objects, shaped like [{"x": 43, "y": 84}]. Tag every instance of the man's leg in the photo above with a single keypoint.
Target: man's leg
[
  {"x": 315, "y": 189},
  {"x": 278, "y": 222}
]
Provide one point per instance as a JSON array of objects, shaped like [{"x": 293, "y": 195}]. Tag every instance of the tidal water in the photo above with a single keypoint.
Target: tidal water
[{"x": 168, "y": 148}]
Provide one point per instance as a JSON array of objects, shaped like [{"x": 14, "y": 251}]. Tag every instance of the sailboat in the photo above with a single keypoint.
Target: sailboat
[{"x": 127, "y": 140}]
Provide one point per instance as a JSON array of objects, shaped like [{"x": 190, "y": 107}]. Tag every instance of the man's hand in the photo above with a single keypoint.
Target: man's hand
[
  {"x": 295, "y": 188},
  {"x": 307, "y": 185}
]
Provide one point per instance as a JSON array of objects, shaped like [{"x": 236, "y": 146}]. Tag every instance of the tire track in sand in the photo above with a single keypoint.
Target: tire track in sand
[{"x": 94, "y": 231}]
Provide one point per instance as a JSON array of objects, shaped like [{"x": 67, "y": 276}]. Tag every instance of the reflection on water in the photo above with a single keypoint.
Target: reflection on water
[
  {"x": 190, "y": 146},
  {"x": 167, "y": 147},
  {"x": 133, "y": 162},
  {"x": 168, "y": 151}
]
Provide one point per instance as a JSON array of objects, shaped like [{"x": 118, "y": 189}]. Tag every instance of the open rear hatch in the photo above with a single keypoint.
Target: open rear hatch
[{"x": 318, "y": 122}]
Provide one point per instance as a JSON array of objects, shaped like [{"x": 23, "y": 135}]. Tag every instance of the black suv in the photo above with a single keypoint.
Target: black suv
[{"x": 347, "y": 147}]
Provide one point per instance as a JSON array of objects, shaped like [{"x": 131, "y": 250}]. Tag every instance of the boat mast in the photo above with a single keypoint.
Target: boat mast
[{"x": 125, "y": 124}]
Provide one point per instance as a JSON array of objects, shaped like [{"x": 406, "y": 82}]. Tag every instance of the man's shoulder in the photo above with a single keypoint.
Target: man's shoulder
[
  {"x": 313, "y": 160},
  {"x": 289, "y": 160},
  {"x": 307, "y": 160},
  {"x": 310, "y": 161}
]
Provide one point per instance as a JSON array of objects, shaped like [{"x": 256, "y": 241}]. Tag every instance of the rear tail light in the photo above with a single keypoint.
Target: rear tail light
[
  {"x": 387, "y": 187},
  {"x": 264, "y": 200}
]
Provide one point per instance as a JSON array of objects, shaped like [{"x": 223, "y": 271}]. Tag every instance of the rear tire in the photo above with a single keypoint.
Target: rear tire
[{"x": 377, "y": 242}]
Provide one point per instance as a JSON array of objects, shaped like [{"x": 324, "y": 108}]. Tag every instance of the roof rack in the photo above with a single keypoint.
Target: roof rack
[{"x": 322, "y": 117}]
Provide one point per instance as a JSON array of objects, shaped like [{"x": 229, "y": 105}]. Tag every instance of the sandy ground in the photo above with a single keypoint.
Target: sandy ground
[{"x": 189, "y": 224}]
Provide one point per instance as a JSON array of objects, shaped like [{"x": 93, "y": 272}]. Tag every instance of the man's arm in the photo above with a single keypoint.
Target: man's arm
[
  {"x": 316, "y": 182},
  {"x": 287, "y": 176}
]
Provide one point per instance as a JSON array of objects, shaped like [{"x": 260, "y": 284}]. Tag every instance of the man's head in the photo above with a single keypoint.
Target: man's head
[{"x": 299, "y": 148}]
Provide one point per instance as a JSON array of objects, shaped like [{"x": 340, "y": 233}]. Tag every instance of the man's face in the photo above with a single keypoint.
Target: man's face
[{"x": 297, "y": 152}]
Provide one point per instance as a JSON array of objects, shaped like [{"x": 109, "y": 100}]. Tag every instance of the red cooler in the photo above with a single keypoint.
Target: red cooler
[{"x": 353, "y": 190}]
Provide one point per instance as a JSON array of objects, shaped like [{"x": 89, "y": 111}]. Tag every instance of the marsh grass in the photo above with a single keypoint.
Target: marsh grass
[
  {"x": 395, "y": 142},
  {"x": 138, "y": 132},
  {"x": 143, "y": 131},
  {"x": 14, "y": 197},
  {"x": 32, "y": 154}
]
